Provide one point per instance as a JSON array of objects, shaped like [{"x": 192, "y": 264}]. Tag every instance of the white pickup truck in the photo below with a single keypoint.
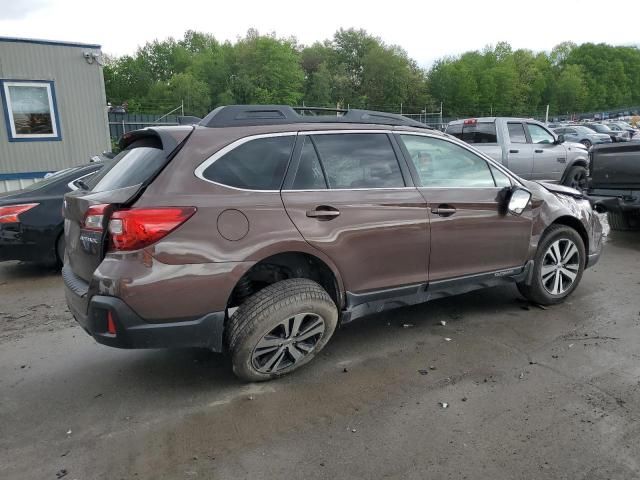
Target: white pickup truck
[{"x": 526, "y": 147}]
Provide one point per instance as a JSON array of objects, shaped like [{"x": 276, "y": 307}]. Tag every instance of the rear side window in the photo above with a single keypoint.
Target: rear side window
[
  {"x": 258, "y": 164},
  {"x": 516, "y": 133},
  {"x": 130, "y": 167},
  {"x": 359, "y": 160},
  {"x": 480, "y": 132},
  {"x": 309, "y": 175}
]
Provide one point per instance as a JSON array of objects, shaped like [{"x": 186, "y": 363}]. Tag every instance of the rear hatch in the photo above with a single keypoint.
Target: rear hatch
[
  {"x": 615, "y": 166},
  {"x": 122, "y": 180}
]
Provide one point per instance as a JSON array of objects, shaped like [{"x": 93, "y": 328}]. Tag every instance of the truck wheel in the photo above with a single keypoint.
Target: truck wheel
[
  {"x": 576, "y": 178},
  {"x": 586, "y": 143},
  {"x": 558, "y": 266},
  {"x": 280, "y": 328},
  {"x": 622, "y": 221}
]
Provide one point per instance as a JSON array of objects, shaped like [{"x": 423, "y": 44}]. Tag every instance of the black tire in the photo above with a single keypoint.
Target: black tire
[
  {"x": 586, "y": 143},
  {"x": 60, "y": 247},
  {"x": 622, "y": 221},
  {"x": 264, "y": 312},
  {"x": 576, "y": 177},
  {"x": 536, "y": 292}
]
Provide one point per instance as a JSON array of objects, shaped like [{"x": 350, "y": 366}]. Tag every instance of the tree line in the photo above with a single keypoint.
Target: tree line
[{"x": 358, "y": 70}]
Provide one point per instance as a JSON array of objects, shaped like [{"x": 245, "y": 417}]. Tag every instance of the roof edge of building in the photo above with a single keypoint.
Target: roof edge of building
[{"x": 57, "y": 43}]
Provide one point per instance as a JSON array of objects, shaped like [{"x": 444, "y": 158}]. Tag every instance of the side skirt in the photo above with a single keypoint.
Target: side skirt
[{"x": 367, "y": 303}]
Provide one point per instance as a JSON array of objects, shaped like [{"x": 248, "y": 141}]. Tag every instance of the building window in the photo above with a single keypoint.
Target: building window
[{"x": 30, "y": 110}]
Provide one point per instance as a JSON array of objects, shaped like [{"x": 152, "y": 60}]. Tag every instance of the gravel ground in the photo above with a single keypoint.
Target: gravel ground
[{"x": 531, "y": 393}]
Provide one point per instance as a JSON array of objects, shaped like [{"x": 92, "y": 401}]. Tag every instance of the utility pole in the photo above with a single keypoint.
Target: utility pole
[
  {"x": 546, "y": 115},
  {"x": 182, "y": 107}
]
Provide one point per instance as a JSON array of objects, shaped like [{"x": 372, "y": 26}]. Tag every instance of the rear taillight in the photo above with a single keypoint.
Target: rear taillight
[
  {"x": 10, "y": 214},
  {"x": 95, "y": 216},
  {"x": 135, "y": 228},
  {"x": 470, "y": 121}
]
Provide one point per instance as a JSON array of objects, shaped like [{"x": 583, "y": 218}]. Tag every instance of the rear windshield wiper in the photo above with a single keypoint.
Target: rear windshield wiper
[{"x": 80, "y": 183}]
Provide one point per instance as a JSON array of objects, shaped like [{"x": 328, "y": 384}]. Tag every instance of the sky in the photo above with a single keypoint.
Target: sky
[{"x": 427, "y": 30}]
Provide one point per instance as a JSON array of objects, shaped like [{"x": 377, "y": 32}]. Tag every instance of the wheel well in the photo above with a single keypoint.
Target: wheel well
[
  {"x": 577, "y": 226},
  {"x": 283, "y": 266}
]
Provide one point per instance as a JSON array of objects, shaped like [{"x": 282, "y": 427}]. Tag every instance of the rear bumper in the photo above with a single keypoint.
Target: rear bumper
[
  {"x": 133, "y": 331},
  {"x": 18, "y": 249}
]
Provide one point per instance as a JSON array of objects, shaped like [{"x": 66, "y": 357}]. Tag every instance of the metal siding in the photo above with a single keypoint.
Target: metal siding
[{"x": 80, "y": 94}]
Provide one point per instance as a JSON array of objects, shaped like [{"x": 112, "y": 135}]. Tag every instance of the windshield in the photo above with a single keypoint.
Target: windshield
[{"x": 601, "y": 128}]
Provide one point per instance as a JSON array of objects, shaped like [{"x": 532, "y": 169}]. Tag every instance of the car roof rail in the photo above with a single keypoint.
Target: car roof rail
[{"x": 252, "y": 115}]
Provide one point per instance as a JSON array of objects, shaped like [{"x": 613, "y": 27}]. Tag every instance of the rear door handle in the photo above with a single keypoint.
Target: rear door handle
[
  {"x": 514, "y": 151},
  {"x": 538, "y": 151},
  {"x": 444, "y": 210},
  {"x": 323, "y": 212}
]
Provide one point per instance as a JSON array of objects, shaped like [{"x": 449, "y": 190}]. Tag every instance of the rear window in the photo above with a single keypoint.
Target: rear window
[
  {"x": 258, "y": 164},
  {"x": 130, "y": 167},
  {"x": 481, "y": 132}
]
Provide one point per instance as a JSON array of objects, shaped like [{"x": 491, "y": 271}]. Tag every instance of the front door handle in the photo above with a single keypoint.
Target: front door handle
[
  {"x": 514, "y": 151},
  {"x": 538, "y": 151},
  {"x": 444, "y": 210},
  {"x": 323, "y": 212}
]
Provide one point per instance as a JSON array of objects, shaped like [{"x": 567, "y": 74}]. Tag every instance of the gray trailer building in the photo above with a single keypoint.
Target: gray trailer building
[{"x": 53, "y": 108}]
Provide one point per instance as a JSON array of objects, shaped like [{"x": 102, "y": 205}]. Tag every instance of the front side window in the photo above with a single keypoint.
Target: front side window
[
  {"x": 539, "y": 134},
  {"x": 516, "y": 133},
  {"x": 358, "y": 160},
  {"x": 259, "y": 164},
  {"x": 442, "y": 164},
  {"x": 30, "y": 110}
]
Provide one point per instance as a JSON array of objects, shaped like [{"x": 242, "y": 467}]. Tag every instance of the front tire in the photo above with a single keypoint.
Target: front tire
[
  {"x": 558, "y": 266},
  {"x": 280, "y": 328},
  {"x": 586, "y": 143},
  {"x": 576, "y": 177}
]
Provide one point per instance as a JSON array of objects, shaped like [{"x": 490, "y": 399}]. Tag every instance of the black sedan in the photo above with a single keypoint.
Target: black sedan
[{"x": 31, "y": 222}]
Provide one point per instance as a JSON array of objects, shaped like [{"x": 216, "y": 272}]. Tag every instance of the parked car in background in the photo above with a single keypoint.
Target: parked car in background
[
  {"x": 616, "y": 136},
  {"x": 614, "y": 183},
  {"x": 526, "y": 147},
  {"x": 582, "y": 134},
  {"x": 31, "y": 222},
  {"x": 624, "y": 127},
  {"x": 254, "y": 232}
]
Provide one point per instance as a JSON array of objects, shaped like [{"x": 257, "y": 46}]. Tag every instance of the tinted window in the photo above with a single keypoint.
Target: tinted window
[
  {"x": 128, "y": 168},
  {"x": 500, "y": 178},
  {"x": 516, "y": 133},
  {"x": 481, "y": 132},
  {"x": 309, "y": 175},
  {"x": 444, "y": 164},
  {"x": 539, "y": 134},
  {"x": 258, "y": 164},
  {"x": 359, "y": 160}
]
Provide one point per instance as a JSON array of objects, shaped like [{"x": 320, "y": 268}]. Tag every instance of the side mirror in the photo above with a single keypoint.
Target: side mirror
[
  {"x": 518, "y": 200},
  {"x": 560, "y": 138}
]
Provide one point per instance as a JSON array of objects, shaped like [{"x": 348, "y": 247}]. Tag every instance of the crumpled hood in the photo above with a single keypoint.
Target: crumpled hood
[{"x": 555, "y": 188}]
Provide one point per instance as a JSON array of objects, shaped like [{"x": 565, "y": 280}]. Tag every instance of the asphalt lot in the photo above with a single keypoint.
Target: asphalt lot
[{"x": 532, "y": 393}]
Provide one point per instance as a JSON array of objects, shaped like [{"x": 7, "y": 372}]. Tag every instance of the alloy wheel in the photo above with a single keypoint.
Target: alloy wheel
[
  {"x": 288, "y": 343},
  {"x": 560, "y": 266}
]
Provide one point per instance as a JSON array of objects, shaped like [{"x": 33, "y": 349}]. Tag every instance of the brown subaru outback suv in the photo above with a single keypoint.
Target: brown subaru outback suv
[{"x": 261, "y": 229}]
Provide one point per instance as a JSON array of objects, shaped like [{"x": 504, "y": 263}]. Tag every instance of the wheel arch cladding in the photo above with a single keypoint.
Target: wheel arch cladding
[{"x": 283, "y": 266}]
